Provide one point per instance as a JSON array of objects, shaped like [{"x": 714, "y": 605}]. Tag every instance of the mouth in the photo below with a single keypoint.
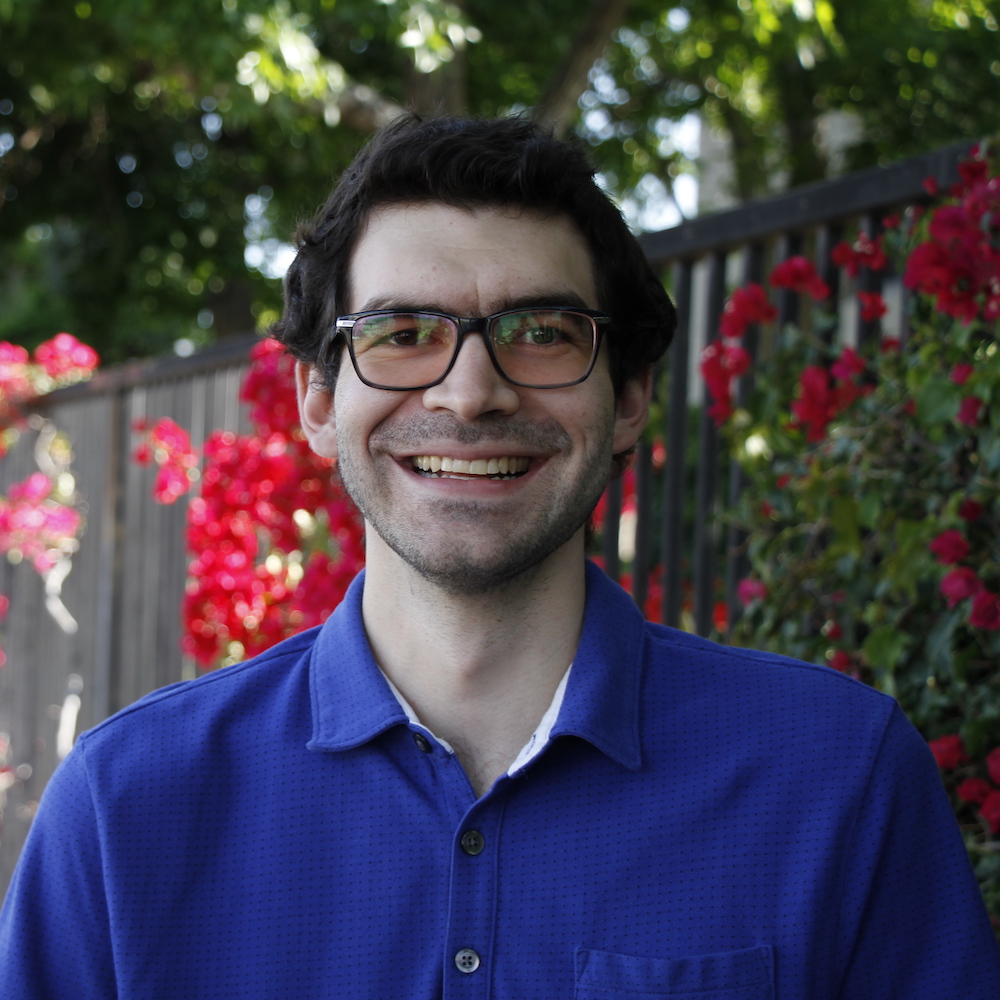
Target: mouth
[{"x": 443, "y": 467}]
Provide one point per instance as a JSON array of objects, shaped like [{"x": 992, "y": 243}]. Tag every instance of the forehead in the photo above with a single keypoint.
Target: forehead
[{"x": 468, "y": 262}]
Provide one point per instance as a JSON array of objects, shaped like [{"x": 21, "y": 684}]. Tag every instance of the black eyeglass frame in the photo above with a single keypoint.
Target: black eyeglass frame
[{"x": 344, "y": 326}]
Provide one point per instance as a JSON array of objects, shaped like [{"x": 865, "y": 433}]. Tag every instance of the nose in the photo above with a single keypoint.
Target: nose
[{"x": 473, "y": 386}]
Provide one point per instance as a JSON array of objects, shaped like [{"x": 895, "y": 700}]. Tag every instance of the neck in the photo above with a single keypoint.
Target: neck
[{"x": 479, "y": 670}]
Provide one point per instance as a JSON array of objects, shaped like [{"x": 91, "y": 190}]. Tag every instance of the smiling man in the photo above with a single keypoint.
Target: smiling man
[{"x": 486, "y": 776}]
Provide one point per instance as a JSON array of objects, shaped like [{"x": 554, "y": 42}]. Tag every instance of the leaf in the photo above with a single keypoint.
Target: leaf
[
  {"x": 884, "y": 647},
  {"x": 939, "y": 643},
  {"x": 937, "y": 402},
  {"x": 845, "y": 520}
]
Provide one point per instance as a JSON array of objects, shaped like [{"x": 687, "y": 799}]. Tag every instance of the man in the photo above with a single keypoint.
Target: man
[{"x": 486, "y": 776}]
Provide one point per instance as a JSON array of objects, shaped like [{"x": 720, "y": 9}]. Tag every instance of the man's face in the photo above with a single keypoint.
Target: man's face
[{"x": 470, "y": 531}]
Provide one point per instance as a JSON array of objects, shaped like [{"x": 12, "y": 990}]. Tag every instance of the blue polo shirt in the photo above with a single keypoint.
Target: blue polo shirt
[{"x": 704, "y": 822}]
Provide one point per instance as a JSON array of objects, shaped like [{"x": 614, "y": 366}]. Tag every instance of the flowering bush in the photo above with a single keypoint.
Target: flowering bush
[
  {"x": 60, "y": 361},
  {"x": 39, "y": 521},
  {"x": 275, "y": 540},
  {"x": 873, "y": 506}
]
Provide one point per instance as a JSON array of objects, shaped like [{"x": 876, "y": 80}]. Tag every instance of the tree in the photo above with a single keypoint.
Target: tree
[{"x": 144, "y": 145}]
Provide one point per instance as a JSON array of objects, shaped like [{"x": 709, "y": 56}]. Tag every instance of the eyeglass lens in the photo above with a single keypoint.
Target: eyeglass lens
[{"x": 533, "y": 347}]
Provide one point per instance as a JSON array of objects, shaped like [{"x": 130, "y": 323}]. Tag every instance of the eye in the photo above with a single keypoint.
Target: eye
[{"x": 541, "y": 335}]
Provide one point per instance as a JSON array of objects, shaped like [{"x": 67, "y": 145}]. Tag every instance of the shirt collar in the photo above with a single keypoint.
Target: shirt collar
[{"x": 352, "y": 702}]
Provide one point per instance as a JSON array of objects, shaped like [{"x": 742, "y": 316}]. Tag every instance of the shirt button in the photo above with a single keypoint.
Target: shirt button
[
  {"x": 466, "y": 960},
  {"x": 472, "y": 842},
  {"x": 422, "y": 742}
]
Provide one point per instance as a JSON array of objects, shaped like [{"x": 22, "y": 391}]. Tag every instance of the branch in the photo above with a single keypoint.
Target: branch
[{"x": 559, "y": 105}]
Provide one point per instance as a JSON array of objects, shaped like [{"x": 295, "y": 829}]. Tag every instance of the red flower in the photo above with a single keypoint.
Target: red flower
[
  {"x": 960, "y": 373},
  {"x": 873, "y": 306},
  {"x": 745, "y": 306},
  {"x": 799, "y": 274},
  {"x": 721, "y": 362},
  {"x": 749, "y": 590},
  {"x": 974, "y": 790},
  {"x": 949, "y": 547},
  {"x": 889, "y": 344},
  {"x": 959, "y": 584},
  {"x": 993, "y": 764},
  {"x": 849, "y": 364},
  {"x": 990, "y": 811},
  {"x": 969, "y": 510},
  {"x": 985, "y": 611},
  {"x": 930, "y": 185},
  {"x": 968, "y": 411},
  {"x": 949, "y": 751},
  {"x": 865, "y": 252},
  {"x": 841, "y": 660}
]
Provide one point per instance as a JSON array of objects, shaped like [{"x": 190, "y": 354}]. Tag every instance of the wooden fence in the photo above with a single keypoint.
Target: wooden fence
[{"x": 127, "y": 578}]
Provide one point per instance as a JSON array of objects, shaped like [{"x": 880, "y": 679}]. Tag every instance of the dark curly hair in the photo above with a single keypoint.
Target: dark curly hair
[{"x": 472, "y": 163}]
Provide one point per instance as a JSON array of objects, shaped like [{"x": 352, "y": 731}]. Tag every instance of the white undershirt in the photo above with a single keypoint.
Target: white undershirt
[{"x": 530, "y": 750}]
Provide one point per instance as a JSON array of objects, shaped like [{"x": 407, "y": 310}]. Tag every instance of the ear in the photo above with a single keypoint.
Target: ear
[
  {"x": 315, "y": 412},
  {"x": 632, "y": 410}
]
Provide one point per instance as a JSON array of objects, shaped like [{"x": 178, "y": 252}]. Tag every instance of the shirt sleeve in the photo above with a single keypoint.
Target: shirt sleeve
[
  {"x": 913, "y": 923},
  {"x": 54, "y": 927}
]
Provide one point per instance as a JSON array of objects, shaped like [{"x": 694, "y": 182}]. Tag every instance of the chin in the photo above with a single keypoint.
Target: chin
[{"x": 472, "y": 574}]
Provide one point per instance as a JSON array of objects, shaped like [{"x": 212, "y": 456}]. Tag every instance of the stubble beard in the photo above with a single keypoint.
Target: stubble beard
[{"x": 467, "y": 546}]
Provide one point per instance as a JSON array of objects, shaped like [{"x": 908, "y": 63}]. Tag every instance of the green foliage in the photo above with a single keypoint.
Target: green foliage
[
  {"x": 915, "y": 76},
  {"x": 877, "y": 539}
]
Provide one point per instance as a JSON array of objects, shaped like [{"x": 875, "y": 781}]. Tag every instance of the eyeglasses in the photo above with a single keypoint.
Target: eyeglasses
[{"x": 546, "y": 348}]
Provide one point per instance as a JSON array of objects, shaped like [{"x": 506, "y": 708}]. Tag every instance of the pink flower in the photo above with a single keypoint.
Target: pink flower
[
  {"x": 959, "y": 584},
  {"x": 968, "y": 411},
  {"x": 949, "y": 547},
  {"x": 34, "y": 489},
  {"x": 960, "y": 373},
  {"x": 749, "y": 590},
  {"x": 799, "y": 274},
  {"x": 949, "y": 751},
  {"x": 64, "y": 355}
]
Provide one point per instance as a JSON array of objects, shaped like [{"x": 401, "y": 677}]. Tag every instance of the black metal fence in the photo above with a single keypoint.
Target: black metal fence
[
  {"x": 127, "y": 578},
  {"x": 702, "y": 260}
]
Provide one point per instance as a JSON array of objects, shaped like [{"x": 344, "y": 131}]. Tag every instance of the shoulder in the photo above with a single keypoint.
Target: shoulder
[
  {"x": 766, "y": 697},
  {"x": 251, "y": 696}
]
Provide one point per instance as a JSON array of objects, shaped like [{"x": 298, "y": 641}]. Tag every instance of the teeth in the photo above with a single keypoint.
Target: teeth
[{"x": 471, "y": 467}]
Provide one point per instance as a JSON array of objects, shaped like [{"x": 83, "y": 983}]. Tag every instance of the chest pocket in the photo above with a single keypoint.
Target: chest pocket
[{"x": 730, "y": 975}]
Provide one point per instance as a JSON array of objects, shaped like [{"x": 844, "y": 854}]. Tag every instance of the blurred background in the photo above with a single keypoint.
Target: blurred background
[{"x": 155, "y": 156}]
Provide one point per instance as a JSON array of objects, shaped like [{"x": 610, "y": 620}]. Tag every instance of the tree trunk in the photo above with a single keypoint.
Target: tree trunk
[{"x": 558, "y": 107}]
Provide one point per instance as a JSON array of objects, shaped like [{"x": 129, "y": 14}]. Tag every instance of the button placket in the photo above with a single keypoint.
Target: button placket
[{"x": 473, "y": 895}]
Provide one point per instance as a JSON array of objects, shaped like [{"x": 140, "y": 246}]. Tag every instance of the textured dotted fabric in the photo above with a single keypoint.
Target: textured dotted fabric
[{"x": 705, "y": 823}]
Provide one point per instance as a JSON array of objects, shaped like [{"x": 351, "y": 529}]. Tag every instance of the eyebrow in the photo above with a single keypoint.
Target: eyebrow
[{"x": 559, "y": 297}]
